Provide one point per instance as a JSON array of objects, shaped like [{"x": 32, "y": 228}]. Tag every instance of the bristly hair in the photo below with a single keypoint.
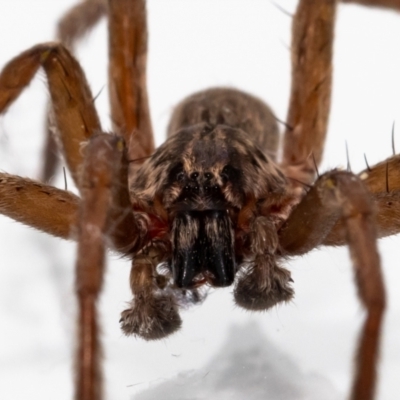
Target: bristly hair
[{"x": 202, "y": 158}]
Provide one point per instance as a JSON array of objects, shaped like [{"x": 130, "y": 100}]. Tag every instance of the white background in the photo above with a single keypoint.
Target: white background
[{"x": 303, "y": 350}]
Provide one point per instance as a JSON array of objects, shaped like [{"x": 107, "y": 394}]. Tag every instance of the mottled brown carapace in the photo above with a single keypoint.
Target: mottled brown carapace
[{"x": 210, "y": 201}]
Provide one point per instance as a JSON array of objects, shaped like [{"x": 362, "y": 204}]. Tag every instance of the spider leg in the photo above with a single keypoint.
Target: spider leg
[
  {"x": 122, "y": 225},
  {"x": 383, "y": 182},
  {"x": 307, "y": 120},
  {"x": 77, "y": 121},
  {"x": 382, "y": 177},
  {"x": 335, "y": 195},
  {"x": 312, "y": 37},
  {"x": 77, "y": 22},
  {"x": 43, "y": 207},
  {"x": 72, "y": 100},
  {"x": 127, "y": 76},
  {"x": 395, "y": 4},
  {"x": 100, "y": 170}
]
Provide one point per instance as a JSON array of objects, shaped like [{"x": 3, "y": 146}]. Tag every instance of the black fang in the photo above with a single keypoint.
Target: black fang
[{"x": 203, "y": 243}]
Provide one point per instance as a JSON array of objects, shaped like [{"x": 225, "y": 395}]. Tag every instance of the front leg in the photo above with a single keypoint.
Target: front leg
[
  {"x": 72, "y": 101},
  {"x": 342, "y": 195},
  {"x": 100, "y": 170}
]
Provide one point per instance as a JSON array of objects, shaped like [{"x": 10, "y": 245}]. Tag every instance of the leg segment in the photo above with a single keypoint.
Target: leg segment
[
  {"x": 153, "y": 312},
  {"x": 72, "y": 27},
  {"x": 72, "y": 100},
  {"x": 102, "y": 156},
  {"x": 313, "y": 27},
  {"x": 342, "y": 195},
  {"x": 42, "y": 207},
  {"x": 77, "y": 121},
  {"x": 122, "y": 226},
  {"x": 383, "y": 182},
  {"x": 127, "y": 76},
  {"x": 79, "y": 20},
  {"x": 394, "y": 4}
]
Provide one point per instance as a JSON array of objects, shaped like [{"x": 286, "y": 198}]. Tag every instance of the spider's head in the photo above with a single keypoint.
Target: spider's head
[
  {"x": 202, "y": 177},
  {"x": 207, "y": 174}
]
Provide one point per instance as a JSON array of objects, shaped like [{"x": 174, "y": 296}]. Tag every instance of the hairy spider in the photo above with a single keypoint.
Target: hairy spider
[{"x": 232, "y": 217}]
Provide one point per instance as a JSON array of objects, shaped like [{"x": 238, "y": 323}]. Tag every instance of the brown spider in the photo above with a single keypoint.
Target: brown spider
[{"x": 364, "y": 397}]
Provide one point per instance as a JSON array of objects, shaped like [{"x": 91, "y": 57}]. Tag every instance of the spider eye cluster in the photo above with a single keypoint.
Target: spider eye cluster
[
  {"x": 198, "y": 184},
  {"x": 201, "y": 188},
  {"x": 177, "y": 174},
  {"x": 196, "y": 180}
]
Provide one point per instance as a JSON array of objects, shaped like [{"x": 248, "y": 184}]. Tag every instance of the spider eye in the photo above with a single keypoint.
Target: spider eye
[
  {"x": 176, "y": 173},
  {"x": 225, "y": 171},
  {"x": 230, "y": 173}
]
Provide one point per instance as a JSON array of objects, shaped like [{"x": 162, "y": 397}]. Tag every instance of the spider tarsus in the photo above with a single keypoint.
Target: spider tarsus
[
  {"x": 151, "y": 317},
  {"x": 262, "y": 285}
]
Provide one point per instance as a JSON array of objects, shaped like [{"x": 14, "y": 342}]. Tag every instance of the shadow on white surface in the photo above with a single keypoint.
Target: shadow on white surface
[{"x": 247, "y": 366}]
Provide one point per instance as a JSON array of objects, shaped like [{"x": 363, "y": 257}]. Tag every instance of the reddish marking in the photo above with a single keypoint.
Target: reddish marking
[
  {"x": 198, "y": 283},
  {"x": 202, "y": 279},
  {"x": 157, "y": 227},
  {"x": 246, "y": 214},
  {"x": 275, "y": 209},
  {"x": 208, "y": 277}
]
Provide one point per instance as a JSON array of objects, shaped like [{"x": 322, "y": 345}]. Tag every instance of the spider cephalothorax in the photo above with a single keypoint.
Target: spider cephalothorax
[{"x": 213, "y": 199}]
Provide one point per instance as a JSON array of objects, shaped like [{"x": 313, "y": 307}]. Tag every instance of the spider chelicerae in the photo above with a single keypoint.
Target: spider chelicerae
[{"x": 282, "y": 113}]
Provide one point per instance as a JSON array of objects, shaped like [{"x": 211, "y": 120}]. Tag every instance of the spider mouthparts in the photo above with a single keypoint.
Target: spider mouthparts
[{"x": 203, "y": 246}]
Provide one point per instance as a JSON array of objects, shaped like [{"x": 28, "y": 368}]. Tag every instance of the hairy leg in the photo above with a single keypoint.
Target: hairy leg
[
  {"x": 335, "y": 195},
  {"x": 312, "y": 38},
  {"x": 394, "y": 4},
  {"x": 100, "y": 172},
  {"x": 77, "y": 121},
  {"x": 72, "y": 100},
  {"x": 127, "y": 76},
  {"x": 76, "y": 23},
  {"x": 40, "y": 206},
  {"x": 383, "y": 182}
]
